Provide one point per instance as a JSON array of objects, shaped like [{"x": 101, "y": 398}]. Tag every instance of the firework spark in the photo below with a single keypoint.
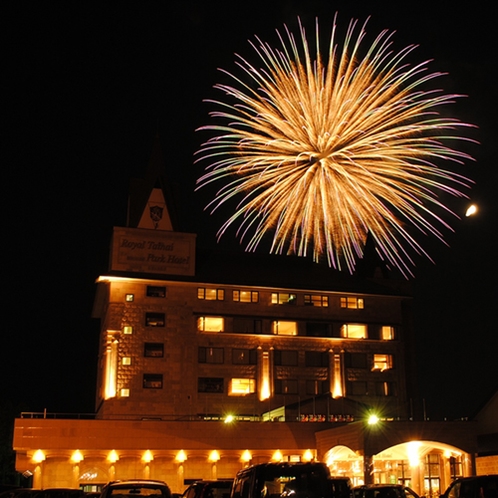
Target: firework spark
[{"x": 321, "y": 151}]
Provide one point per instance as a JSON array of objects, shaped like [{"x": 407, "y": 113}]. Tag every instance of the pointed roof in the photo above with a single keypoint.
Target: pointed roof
[{"x": 150, "y": 203}]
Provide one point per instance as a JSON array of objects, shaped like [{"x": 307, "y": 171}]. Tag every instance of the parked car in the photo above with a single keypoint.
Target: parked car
[
  {"x": 383, "y": 491},
  {"x": 473, "y": 487},
  {"x": 136, "y": 488},
  {"x": 281, "y": 480},
  {"x": 209, "y": 489}
]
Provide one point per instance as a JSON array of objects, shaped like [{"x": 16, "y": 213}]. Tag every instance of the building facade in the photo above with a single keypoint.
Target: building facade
[{"x": 209, "y": 362}]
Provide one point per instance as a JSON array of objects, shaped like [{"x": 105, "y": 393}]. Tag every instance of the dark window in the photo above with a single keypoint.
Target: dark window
[
  {"x": 244, "y": 356},
  {"x": 316, "y": 387},
  {"x": 286, "y": 358},
  {"x": 210, "y": 355},
  {"x": 155, "y": 319},
  {"x": 356, "y": 388},
  {"x": 316, "y": 358},
  {"x": 156, "y": 291},
  {"x": 355, "y": 360},
  {"x": 286, "y": 386},
  {"x": 246, "y": 326},
  {"x": 154, "y": 349},
  {"x": 317, "y": 329},
  {"x": 153, "y": 381},
  {"x": 385, "y": 389},
  {"x": 210, "y": 385}
]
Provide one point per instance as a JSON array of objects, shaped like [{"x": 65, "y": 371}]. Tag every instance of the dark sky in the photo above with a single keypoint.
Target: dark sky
[{"x": 88, "y": 86}]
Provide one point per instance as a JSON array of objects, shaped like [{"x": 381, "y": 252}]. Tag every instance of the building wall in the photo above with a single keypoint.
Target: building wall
[{"x": 179, "y": 393}]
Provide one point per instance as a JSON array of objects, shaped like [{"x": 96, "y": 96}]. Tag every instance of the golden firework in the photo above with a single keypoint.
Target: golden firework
[{"x": 321, "y": 151}]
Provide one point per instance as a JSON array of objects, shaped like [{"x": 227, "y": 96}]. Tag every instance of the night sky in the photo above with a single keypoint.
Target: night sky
[{"x": 88, "y": 87}]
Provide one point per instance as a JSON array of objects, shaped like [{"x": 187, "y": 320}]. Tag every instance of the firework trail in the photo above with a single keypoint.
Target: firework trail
[{"x": 321, "y": 151}]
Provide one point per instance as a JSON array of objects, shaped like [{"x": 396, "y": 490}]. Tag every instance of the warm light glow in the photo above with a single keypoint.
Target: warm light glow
[
  {"x": 387, "y": 333},
  {"x": 264, "y": 383},
  {"x": 112, "y": 457},
  {"x": 354, "y": 331},
  {"x": 412, "y": 450},
  {"x": 277, "y": 456},
  {"x": 241, "y": 387},
  {"x": 147, "y": 457},
  {"x": 77, "y": 457},
  {"x": 38, "y": 456},
  {"x": 373, "y": 419},
  {"x": 229, "y": 419},
  {"x": 246, "y": 456},
  {"x": 308, "y": 456},
  {"x": 472, "y": 209},
  {"x": 282, "y": 327},
  {"x": 210, "y": 324},
  {"x": 214, "y": 456},
  {"x": 181, "y": 456},
  {"x": 321, "y": 150},
  {"x": 337, "y": 391},
  {"x": 111, "y": 364}
]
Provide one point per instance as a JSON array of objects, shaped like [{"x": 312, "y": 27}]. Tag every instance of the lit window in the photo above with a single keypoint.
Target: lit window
[
  {"x": 245, "y": 296},
  {"x": 382, "y": 362},
  {"x": 351, "y": 303},
  {"x": 129, "y": 298},
  {"x": 387, "y": 333},
  {"x": 156, "y": 291},
  {"x": 354, "y": 331},
  {"x": 155, "y": 319},
  {"x": 154, "y": 349},
  {"x": 316, "y": 300},
  {"x": 283, "y": 298},
  {"x": 210, "y": 385},
  {"x": 127, "y": 330},
  {"x": 281, "y": 327},
  {"x": 210, "y": 324},
  {"x": 124, "y": 393},
  {"x": 210, "y": 355},
  {"x": 286, "y": 386},
  {"x": 210, "y": 294},
  {"x": 241, "y": 387},
  {"x": 126, "y": 360},
  {"x": 153, "y": 381}
]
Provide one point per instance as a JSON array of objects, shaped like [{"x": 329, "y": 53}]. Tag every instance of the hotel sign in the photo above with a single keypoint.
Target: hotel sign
[{"x": 153, "y": 251}]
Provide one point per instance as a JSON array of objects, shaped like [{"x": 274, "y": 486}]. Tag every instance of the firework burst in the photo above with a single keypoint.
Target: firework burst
[{"x": 321, "y": 151}]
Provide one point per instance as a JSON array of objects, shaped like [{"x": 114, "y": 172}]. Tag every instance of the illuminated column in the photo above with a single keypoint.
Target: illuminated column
[
  {"x": 111, "y": 366},
  {"x": 336, "y": 377},
  {"x": 146, "y": 459},
  {"x": 38, "y": 458},
  {"x": 213, "y": 458},
  {"x": 180, "y": 458},
  {"x": 246, "y": 458},
  {"x": 264, "y": 374},
  {"x": 467, "y": 465},
  {"x": 76, "y": 458},
  {"x": 113, "y": 457}
]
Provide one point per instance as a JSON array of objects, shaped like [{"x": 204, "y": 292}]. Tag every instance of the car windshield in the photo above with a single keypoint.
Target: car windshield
[
  {"x": 294, "y": 482},
  {"x": 135, "y": 491}
]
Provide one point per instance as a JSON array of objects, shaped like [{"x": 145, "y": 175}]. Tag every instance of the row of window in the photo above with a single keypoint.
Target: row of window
[
  {"x": 290, "y": 298},
  {"x": 378, "y": 361},
  {"x": 244, "y": 386},
  {"x": 246, "y": 296},
  {"x": 241, "y": 325}
]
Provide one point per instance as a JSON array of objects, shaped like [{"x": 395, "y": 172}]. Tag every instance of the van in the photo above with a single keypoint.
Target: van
[
  {"x": 289, "y": 480},
  {"x": 473, "y": 487}
]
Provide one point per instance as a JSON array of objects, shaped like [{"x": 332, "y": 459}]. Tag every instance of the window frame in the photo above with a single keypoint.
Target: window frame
[
  {"x": 152, "y": 381},
  {"x": 352, "y": 302},
  {"x": 155, "y": 291},
  {"x": 237, "y": 294},
  {"x": 217, "y": 355},
  {"x": 203, "y": 293},
  {"x": 155, "y": 319},
  {"x": 317, "y": 300},
  {"x": 150, "y": 347},
  {"x": 206, "y": 318},
  {"x": 283, "y": 298}
]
